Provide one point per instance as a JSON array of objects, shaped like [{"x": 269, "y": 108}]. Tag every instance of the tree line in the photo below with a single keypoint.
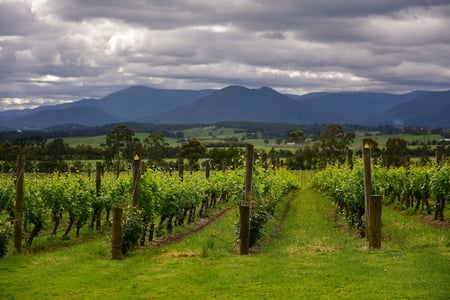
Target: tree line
[{"x": 330, "y": 146}]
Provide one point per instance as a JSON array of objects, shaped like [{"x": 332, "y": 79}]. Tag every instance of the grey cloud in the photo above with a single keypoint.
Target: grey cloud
[
  {"x": 15, "y": 19},
  {"x": 86, "y": 48}
]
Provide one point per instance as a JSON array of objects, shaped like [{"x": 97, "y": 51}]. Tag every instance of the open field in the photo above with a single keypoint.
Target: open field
[
  {"x": 313, "y": 257},
  {"x": 212, "y": 134},
  {"x": 382, "y": 139}
]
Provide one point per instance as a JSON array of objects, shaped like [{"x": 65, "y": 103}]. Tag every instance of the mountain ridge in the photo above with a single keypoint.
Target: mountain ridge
[{"x": 237, "y": 103}]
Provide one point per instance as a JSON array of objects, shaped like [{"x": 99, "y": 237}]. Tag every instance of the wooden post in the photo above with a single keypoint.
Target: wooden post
[
  {"x": 439, "y": 154},
  {"x": 248, "y": 174},
  {"x": 350, "y": 158},
  {"x": 116, "y": 252},
  {"x": 18, "y": 215},
  {"x": 181, "y": 168},
  {"x": 224, "y": 166},
  {"x": 207, "y": 168},
  {"x": 374, "y": 222},
  {"x": 367, "y": 180},
  {"x": 98, "y": 178},
  {"x": 137, "y": 175},
  {"x": 264, "y": 161},
  {"x": 244, "y": 210}
]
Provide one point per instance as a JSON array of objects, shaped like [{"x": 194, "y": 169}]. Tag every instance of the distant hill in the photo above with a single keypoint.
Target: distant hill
[
  {"x": 133, "y": 104},
  {"x": 236, "y": 103},
  {"x": 349, "y": 108},
  {"x": 139, "y": 103},
  {"x": 429, "y": 109},
  {"x": 85, "y": 116}
]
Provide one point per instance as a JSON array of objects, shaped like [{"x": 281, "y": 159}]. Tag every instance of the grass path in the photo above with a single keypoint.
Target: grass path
[{"x": 313, "y": 258}]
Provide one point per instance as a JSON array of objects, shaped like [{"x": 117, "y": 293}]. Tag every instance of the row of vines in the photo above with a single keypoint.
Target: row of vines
[
  {"x": 417, "y": 189},
  {"x": 62, "y": 204}
]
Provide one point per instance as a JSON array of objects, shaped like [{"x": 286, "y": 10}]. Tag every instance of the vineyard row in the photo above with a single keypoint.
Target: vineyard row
[
  {"x": 416, "y": 188},
  {"x": 165, "y": 200}
]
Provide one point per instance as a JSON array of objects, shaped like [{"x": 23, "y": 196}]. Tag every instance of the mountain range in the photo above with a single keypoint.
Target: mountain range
[{"x": 236, "y": 103}]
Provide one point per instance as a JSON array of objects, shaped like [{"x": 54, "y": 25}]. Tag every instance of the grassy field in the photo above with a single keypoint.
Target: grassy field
[
  {"x": 313, "y": 257},
  {"x": 214, "y": 134},
  {"x": 382, "y": 139}
]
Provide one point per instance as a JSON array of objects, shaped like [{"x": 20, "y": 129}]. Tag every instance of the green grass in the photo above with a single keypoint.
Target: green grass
[
  {"x": 382, "y": 139},
  {"x": 314, "y": 257}
]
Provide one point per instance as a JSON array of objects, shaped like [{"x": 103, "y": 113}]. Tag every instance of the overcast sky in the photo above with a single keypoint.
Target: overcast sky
[{"x": 54, "y": 51}]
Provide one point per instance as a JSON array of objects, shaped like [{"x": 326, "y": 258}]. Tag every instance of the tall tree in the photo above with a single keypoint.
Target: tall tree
[
  {"x": 119, "y": 140},
  {"x": 296, "y": 136},
  {"x": 193, "y": 150},
  {"x": 395, "y": 152},
  {"x": 334, "y": 143},
  {"x": 56, "y": 149},
  {"x": 155, "y": 147}
]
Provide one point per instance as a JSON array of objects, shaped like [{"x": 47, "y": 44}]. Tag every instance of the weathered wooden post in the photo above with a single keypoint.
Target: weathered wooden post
[
  {"x": 18, "y": 215},
  {"x": 264, "y": 161},
  {"x": 98, "y": 188},
  {"x": 374, "y": 222},
  {"x": 224, "y": 166},
  {"x": 439, "y": 154},
  {"x": 350, "y": 158},
  {"x": 367, "y": 180},
  {"x": 137, "y": 174},
  {"x": 207, "y": 168},
  {"x": 98, "y": 178},
  {"x": 181, "y": 168},
  {"x": 244, "y": 209},
  {"x": 116, "y": 252}
]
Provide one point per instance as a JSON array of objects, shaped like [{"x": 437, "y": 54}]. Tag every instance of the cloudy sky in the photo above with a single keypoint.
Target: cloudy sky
[{"x": 54, "y": 51}]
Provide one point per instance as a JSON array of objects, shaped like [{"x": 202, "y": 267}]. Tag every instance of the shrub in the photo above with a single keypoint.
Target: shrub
[
  {"x": 132, "y": 230},
  {"x": 5, "y": 234}
]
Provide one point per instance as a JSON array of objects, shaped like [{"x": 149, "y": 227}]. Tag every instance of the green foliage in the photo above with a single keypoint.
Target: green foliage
[
  {"x": 334, "y": 143},
  {"x": 346, "y": 187},
  {"x": 131, "y": 230},
  {"x": 313, "y": 258},
  {"x": 396, "y": 150},
  {"x": 409, "y": 189},
  {"x": 7, "y": 195},
  {"x": 193, "y": 150},
  {"x": 297, "y": 136},
  {"x": 35, "y": 210},
  {"x": 258, "y": 218},
  {"x": 155, "y": 147},
  {"x": 440, "y": 182},
  {"x": 268, "y": 189},
  {"x": 5, "y": 235}
]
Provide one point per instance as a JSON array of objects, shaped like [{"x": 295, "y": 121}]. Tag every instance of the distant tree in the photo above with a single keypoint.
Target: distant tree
[
  {"x": 395, "y": 152},
  {"x": 334, "y": 143},
  {"x": 424, "y": 153},
  {"x": 118, "y": 144},
  {"x": 229, "y": 156},
  {"x": 193, "y": 150},
  {"x": 155, "y": 148},
  {"x": 56, "y": 149},
  {"x": 296, "y": 136},
  {"x": 307, "y": 158}
]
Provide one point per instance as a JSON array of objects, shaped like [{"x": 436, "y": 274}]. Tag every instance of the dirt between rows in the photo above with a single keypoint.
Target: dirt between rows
[
  {"x": 199, "y": 224},
  {"x": 429, "y": 220}
]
